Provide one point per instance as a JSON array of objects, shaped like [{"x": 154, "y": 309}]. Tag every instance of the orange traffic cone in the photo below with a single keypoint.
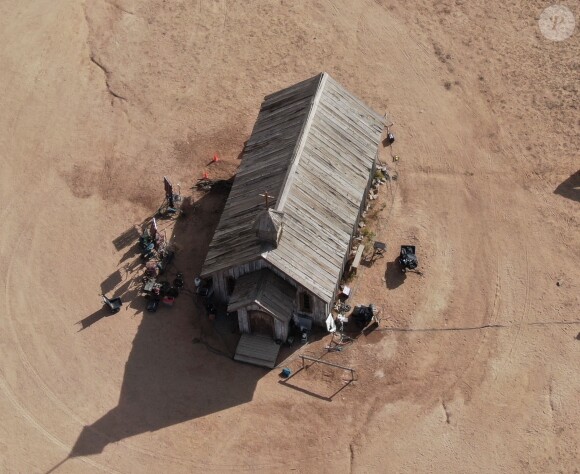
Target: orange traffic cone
[
  {"x": 205, "y": 176},
  {"x": 216, "y": 158}
]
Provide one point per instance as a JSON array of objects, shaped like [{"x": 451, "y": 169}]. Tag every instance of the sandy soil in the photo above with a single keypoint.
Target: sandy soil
[{"x": 475, "y": 365}]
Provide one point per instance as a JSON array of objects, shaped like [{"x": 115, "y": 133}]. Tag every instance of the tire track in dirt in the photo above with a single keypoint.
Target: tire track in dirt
[
  {"x": 431, "y": 150},
  {"x": 28, "y": 366},
  {"x": 495, "y": 305},
  {"x": 524, "y": 314},
  {"x": 507, "y": 149},
  {"x": 12, "y": 398},
  {"x": 24, "y": 413},
  {"x": 47, "y": 393},
  {"x": 217, "y": 52},
  {"x": 448, "y": 162},
  {"x": 18, "y": 249}
]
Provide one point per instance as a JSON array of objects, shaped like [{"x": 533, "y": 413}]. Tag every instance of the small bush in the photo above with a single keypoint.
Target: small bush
[{"x": 367, "y": 233}]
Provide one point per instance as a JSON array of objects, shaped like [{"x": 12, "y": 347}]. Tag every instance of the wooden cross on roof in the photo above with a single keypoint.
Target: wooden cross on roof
[{"x": 267, "y": 196}]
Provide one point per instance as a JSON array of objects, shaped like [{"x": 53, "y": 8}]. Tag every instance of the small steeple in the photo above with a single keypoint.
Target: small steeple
[{"x": 268, "y": 226}]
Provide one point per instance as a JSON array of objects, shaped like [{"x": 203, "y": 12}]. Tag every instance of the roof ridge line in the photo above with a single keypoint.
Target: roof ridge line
[
  {"x": 289, "y": 178},
  {"x": 361, "y": 103}
]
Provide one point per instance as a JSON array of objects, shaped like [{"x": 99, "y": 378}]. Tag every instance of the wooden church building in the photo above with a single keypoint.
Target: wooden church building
[{"x": 286, "y": 231}]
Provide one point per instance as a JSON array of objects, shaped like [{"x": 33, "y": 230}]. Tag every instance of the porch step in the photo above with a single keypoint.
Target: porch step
[{"x": 257, "y": 349}]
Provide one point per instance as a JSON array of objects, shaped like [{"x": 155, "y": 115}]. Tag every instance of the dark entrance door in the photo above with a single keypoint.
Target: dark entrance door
[{"x": 261, "y": 323}]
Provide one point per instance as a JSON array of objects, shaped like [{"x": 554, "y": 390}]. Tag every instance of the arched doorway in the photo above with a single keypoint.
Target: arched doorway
[{"x": 261, "y": 323}]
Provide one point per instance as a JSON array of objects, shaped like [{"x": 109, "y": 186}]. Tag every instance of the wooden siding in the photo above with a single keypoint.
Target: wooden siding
[
  {"x": 280, "y": 330},
  {"x": 314, "y": 148},
  {"x": 280, "y": 327},
  {"x": 220, "y": 278},
  {"x": 243, "y": 321},
  {"x": 261, "y": 323}
]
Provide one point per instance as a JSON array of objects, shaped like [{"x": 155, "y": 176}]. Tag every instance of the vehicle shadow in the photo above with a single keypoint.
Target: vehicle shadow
[
  {"x": 394, "y": 276},
  {"x": 170, "y": 376},
  {"x": 570, "y": 188},
  {"x": 91, "y": 319},
  {"x": 112, "y": 281}
]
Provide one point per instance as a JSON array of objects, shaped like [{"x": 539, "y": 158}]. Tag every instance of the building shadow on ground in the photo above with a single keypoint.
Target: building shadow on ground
[
  {"x": 171, "y": 376},
  {"x": 168, "y": 380},
  {"x": 570, "y": 188}
]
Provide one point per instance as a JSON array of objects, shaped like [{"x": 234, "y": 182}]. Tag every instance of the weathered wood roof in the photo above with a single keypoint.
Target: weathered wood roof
[
  {"x": 266, "y": 289},
  {"x": 312, "y": 149}
]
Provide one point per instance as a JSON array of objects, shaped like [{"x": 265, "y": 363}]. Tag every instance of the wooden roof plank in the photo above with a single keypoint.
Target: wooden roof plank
[{"x": 312, "y": 147}]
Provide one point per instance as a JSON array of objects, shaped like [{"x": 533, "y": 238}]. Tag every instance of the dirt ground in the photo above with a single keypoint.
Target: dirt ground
[{"x": 475, "y": 365}]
